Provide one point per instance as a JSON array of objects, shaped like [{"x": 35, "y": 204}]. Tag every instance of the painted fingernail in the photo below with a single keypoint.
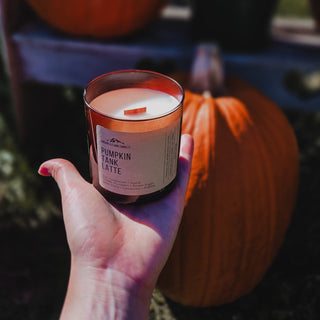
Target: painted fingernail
[{"x": 44, "y": 171}]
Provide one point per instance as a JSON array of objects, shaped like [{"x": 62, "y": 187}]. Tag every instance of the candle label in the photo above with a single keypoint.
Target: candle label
[{"x": 135, "y": 164}]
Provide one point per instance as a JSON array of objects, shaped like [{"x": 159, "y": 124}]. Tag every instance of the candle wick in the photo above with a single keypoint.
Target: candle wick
[{"x": 135, "y": 111}]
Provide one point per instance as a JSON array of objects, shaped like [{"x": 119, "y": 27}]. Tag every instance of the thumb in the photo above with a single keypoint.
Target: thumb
[{"x": 64, "y": 173}]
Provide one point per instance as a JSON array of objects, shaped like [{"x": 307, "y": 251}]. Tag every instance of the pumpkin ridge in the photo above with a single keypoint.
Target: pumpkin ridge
[
  {"x": 267, "y": 206},
  {"x": 285, "y": 146},
  {"x": 221, "y": 283},
  {"x": 191, "y": 112},
  {"x": 192, "y": 123},
  {"x": 84, "y": 12},
  {"x": 203, "y": 125},
  {"x": 191, "y": 105},
  {"x": 262, "y": 138},
  {"x": 275, "y": 145},
  {"x": 211, "y": 108},
  {"x": 266, "y": 136},
  {"x": 276, "y": 148},
  {"x": 231, "y": 116},
  {"x": 96, "y": 27},
  {"x": 236, "y": 113},
  {"x": 126, "y": 14}
]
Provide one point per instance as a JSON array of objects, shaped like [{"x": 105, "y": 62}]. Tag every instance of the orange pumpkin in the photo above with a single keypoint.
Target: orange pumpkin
[
  {"x": 99, "y": 18},
  {"x": 241, "y": 195}
]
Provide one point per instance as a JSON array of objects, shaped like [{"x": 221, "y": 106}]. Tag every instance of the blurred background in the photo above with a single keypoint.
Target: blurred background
[{"x": 44, "y": 119}]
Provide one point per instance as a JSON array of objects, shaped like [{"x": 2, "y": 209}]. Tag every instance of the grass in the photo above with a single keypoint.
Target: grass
[{"x": 293, "y": 8}]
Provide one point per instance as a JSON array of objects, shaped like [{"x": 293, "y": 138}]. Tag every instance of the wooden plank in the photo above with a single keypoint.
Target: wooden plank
[
  {"x": 52, "y": 57},
  {"x": 268, "y": 70},
  {"x": 301, "y": 32}
]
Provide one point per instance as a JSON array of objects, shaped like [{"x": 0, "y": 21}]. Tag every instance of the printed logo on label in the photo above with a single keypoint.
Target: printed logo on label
[{"x": 115, "y": 143}]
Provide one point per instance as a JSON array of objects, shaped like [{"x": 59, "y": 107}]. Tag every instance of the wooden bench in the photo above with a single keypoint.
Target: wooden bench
[{"x": 38, "y": 57}]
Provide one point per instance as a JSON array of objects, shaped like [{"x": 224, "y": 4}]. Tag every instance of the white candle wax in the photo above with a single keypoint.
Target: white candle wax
[{"x": 114, "y": 103}]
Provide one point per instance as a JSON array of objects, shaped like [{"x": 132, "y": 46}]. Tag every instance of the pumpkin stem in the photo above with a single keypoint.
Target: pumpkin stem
[{"x": 207, "y": 73}]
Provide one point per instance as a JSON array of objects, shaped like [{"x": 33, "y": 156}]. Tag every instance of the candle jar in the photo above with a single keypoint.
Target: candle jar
[{"x": 134, "y": 128}]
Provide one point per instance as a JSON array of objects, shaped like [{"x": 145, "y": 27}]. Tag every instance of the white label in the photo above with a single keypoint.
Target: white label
[{"x": 137, "y": 163}]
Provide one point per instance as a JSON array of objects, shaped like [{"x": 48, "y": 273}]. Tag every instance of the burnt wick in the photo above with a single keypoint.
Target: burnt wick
[{"x": 135, "y": 111}]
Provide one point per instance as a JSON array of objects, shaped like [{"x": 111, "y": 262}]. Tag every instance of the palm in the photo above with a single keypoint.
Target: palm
[{"x": 134, "y": 240}]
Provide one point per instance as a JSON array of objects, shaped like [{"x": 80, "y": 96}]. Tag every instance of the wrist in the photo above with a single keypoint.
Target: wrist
[{"x": 104, "y": 294}]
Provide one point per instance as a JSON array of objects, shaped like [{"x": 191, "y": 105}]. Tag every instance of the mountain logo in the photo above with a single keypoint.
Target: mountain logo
[
  {"x": 114, "y": 140},
  {"x": 115, "y": 143}
]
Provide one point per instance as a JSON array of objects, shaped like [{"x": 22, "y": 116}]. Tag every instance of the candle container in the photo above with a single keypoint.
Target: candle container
[{"x": 134, "y": 128}]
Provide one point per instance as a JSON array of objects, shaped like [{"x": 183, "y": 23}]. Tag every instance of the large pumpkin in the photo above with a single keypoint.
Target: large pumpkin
[
  {"x": 241, "y": 195},
  {"x": 98, "y": 18}
]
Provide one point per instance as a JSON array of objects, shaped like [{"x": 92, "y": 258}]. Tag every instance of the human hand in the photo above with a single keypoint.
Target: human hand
[{"x": 117, "y": 251}]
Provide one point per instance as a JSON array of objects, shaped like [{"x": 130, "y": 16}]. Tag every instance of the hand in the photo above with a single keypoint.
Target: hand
[{"x": 117, "y": 251}]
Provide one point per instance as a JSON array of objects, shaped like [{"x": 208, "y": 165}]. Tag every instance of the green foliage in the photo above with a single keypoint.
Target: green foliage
[
  {"x": 293, "y": 8},
  {"x": 21, "y": 201}
]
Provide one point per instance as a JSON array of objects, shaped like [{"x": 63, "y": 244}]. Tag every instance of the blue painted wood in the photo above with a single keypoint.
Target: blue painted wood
[
  {"x": 49, "y": 56},
  {"x": 268, "y": 69},
  {"x": 53, "y": 57}
]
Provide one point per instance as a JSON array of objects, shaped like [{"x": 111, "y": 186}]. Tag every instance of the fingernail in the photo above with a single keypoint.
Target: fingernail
[{"x": 44, "y": 171}]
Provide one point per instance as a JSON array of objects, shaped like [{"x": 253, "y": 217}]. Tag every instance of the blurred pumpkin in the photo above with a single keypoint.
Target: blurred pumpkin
[
  {"x": 241, "y": 194},
  {"x": 99, "y": 18}
]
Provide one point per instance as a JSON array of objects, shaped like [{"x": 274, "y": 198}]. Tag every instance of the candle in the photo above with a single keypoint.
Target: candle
[
  {"x": 134, "y": 120},
  {"x": 134, "y": 103}
]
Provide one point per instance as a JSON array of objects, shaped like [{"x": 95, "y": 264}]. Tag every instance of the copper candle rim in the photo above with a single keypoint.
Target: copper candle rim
[{"x": 147, "y": 72}]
